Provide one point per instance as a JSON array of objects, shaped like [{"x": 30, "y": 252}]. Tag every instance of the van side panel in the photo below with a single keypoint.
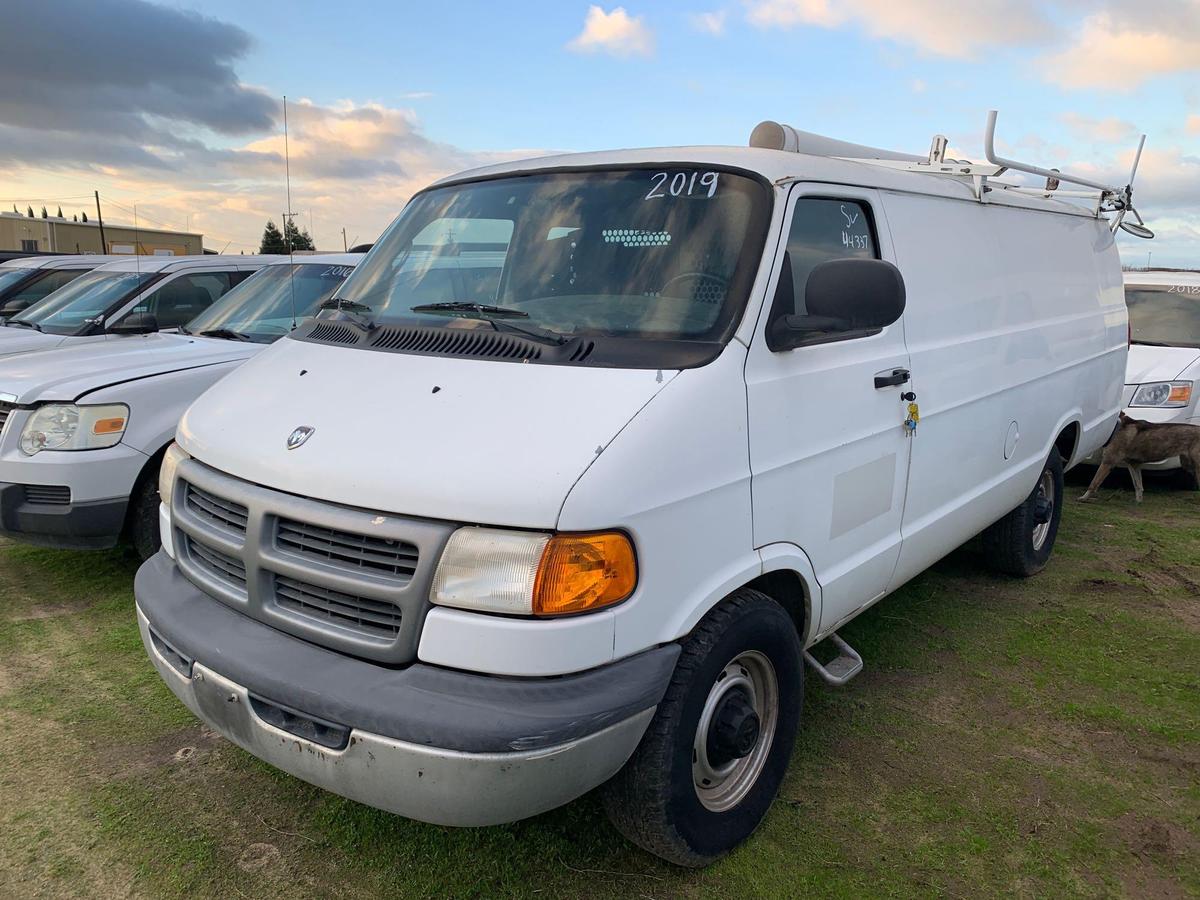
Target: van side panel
[{"x": 1016, "y": 327}]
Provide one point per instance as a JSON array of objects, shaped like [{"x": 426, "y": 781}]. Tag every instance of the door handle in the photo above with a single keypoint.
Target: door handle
[{"x": 898, "y": 377}]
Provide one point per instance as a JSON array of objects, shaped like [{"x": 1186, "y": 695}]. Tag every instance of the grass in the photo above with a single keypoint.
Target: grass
[{"x": 1037, "y": 738}]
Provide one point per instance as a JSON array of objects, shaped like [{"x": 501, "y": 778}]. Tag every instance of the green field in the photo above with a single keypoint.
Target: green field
[{"x": 1034, "y": 738}]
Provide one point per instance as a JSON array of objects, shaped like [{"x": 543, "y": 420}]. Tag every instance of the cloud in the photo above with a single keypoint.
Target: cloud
[
  {"x": 954, "y": 30},
  {"x": 167, "y": 124},
  {"x": 79, "y": 67},
  {"x": 1115, "y": 52},
  {"x": 1110, "y": 130},
  {"x": 616, "y": 33},
  {"x": 709, "y": 22},
  {"x": 1193, "y": 124}
]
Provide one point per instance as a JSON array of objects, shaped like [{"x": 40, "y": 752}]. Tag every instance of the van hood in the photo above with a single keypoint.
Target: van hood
[
  {"x": 70, "y": 372},
  {"x": 466, "y": 440},
  {"x": 1148, "y": 364},
  {"x": 15, "y": 339}
]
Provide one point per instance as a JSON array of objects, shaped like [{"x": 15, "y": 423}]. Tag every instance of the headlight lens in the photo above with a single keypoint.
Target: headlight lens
[
  {"x": 66, "y": 426},
  {"x": 524, "y": 573},
  {"x": 166, "y": 475},
  {"x": 1163, "y": 394}
]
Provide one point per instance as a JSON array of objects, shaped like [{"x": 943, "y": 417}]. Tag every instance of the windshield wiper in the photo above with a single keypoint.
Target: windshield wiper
[
  {"x": 34, "y": 325},
  {"x": 226, "y": 333},
  {"x": 538, "y": 334},
  {"x": 482, "y": 310},
  {"x": 347, "y": 305}
]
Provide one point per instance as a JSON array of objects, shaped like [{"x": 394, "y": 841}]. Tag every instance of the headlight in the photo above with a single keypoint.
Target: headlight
[
  {"x": 1163, "y": 394},
  {"x": 523, "y": 573},
  {"x": 65, "y": 426},
  {"x": 166, "y": 475}
]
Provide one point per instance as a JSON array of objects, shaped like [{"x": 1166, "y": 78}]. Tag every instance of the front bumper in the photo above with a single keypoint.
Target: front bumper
[
  {"x": 93, "y": 525},
  {"x": 433, "y": 744}
]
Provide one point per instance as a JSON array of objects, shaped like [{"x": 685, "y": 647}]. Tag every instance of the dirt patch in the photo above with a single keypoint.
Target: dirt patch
[
  {"x": 48, "y": 611},
  {"x": 179, "y": 748},
  {"x": 257, "y": 857},
  {"x": 1155, "y": 840}
]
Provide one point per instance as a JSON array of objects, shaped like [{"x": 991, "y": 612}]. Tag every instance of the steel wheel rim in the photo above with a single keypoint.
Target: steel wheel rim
[
  {"x": 720, "y": 788},
  {"x": 1045, "y": 491}
]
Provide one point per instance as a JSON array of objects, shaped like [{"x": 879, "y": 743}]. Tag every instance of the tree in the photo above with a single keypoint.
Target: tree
[
  {"x": 299, "y": 238},
  {"x": 29, "y": 212},
  {"x": 85, "y": 215},
  {"x": 45, "y": 215},
  {"x": 75, "y": 218},
  {"x": 60, "y": 215},
  {"x": 17, "y": 211},
  {"x": 272, "y": 239}
]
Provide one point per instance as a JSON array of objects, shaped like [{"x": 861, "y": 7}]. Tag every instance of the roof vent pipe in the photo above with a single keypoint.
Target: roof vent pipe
[{"x": 774, "y": 136}]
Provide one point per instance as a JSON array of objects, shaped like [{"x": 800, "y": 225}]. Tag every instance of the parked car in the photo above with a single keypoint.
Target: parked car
[
  {"x": 132, "y": 296},
  {"x": 83, "y": 428},
  {"x": 1164, "y": 356},
  {"x": 25, "y": 281},
  {"x": 671, "y": 418}
]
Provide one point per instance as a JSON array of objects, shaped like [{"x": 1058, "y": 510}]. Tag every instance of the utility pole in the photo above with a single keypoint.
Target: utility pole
[
  {"x": 345, "y": 246},
  {"x": 100, "y": 222}
]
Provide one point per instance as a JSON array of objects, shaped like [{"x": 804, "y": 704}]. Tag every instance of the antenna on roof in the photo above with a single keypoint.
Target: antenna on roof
[{"x": 287, "y": 171}]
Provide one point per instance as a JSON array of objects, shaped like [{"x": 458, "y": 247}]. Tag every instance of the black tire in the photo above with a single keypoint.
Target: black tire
[
  {"x": 1011, "y": 547},
  {"x": 142, "y": 518},
  {"x": 654, "y": 801}
]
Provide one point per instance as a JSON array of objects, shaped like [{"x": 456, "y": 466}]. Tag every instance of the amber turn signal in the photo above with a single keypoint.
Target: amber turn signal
[
  {"x": 1180, "y": 393},
  {"x": 584, "y": 572},
  {"x": 109, "y": 426}
]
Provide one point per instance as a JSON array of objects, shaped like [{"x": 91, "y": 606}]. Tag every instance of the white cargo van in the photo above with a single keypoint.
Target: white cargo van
[
  {"x": 570, "y": 510},
  {"x": 135, "y": 295},
  {"x": 26, "y": 281},
  {"x": 83, "y": 428}
]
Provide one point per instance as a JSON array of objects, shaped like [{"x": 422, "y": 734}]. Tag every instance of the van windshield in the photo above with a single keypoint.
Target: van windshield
[
  {"x": 652, "y": 255},
  {"x": 1164, "y": 316},
  {"x": 73, "y": 309},
  {"x": 261, "y": 308}
]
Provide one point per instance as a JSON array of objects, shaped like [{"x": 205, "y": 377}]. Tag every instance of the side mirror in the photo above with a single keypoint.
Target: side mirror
[
  {"x": 853, "y": 297},
  {"x": 12, "y": 309},
  {"x": 135, "y": 323}
]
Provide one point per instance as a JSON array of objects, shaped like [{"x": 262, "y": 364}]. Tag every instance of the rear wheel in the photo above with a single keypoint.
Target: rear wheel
[
  {"x": 715, "y": 753},
  {"x": 1021, "y": 543}
]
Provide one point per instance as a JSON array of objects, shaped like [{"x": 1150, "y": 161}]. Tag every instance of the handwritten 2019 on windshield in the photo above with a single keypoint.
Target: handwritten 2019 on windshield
[{"x": 683, "y": 184}]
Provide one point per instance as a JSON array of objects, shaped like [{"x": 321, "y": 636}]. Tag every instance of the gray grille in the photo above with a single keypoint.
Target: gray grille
[
  {"x": 360, "y": 613},
  {"x": 346, "y": 578},
  {"x": 48, "y": 494},
  {"x": 222, "y": 513},
  {"x": 344, "y": 549},
  {"x": 5, "y": 409},
  {"x": 220, "y": 565}
]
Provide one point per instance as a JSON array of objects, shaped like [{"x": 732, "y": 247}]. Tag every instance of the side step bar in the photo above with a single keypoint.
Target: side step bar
[{"x": 839, "y": 671}]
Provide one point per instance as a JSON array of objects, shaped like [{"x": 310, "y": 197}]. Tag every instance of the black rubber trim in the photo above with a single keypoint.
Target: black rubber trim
[
  {"x": 77, "y": 526},
  {"x": 421, "y": 704}
]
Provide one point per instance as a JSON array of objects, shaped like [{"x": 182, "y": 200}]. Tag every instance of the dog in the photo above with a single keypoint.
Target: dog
[{"x": 1136, "y": 442}]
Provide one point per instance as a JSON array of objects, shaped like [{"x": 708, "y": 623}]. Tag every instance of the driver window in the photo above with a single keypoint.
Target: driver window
[
  {"x": 822, "y": 230},
  {"x": 179, "y": 301}
]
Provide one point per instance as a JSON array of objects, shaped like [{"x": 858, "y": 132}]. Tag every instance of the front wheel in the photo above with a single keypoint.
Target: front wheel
[
  {"x": 1020, "y": 544},
  {"x": 143, "y": 527},
  {"x": 715, "y": 753}
]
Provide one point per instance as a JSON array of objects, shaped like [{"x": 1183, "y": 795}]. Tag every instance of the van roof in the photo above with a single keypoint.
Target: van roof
[
  {"x": 779, "y": 166},
  {"x": 171, "y": 263},
  {"x": 1162, "y": 278},
  {"x": 71, "y": 261}
]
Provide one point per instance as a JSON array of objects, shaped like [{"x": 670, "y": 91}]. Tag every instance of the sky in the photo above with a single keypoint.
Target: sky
[{"x": 175, "y": 109}]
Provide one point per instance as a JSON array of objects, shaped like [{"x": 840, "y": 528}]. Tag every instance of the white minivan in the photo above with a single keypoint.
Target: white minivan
[
  {"x": 134, "y": 295},
  {"x": 83, "y": 428},
  {"x": 30, "y": 279},
  {"x": 1164, "y": 356},
  {"x": 598, "y": 446}
]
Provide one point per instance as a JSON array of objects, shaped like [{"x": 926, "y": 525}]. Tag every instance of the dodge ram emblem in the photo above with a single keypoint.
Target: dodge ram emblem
[{"x": 299, "y": 436}]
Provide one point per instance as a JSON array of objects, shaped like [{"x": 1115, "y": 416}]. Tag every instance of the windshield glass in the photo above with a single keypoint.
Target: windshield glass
[
  {"x": 261, "y": 307},
  {"x": 642, "y": 254},
  {"x": 1165, "y": 315},
  {"x": 12, "y": 276},
  {"x": 73, "y": 309}
]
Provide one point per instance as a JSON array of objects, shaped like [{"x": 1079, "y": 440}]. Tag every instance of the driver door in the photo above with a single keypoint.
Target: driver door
[{"x": 829, "y": 453}]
